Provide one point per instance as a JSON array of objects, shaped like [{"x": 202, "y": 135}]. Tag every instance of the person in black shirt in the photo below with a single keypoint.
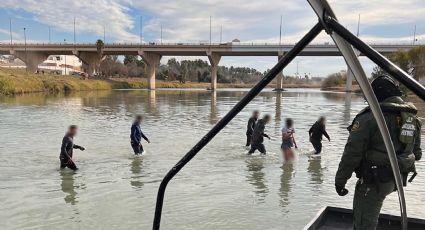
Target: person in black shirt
[
  {"x": 67, "y": 148},
  {"x": 316, "y": 132},
  {"x": 258, "y": 135},
  {"x": 250, "y": 127},
  {"x": 136, "y": 136}
]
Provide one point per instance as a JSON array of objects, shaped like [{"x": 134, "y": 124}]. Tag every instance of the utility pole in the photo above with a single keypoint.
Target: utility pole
[
  {"x": 210, "y": 30},
  {"x": 104, "y": 34},
  {"x": 10, "y": 29},
  {"x": 74, "y": 32},
  {"x": 25, "y": 48},
  {"x": 49, "y": 35},
  {"x": 358, "y": 26},
  {"x": 161, "y": 33},
  {"x": 64, "y": 42},
  {"x": 141, "y": 29},
  {"x": 280, "y": 31},
  {"x": 298, "y": 74},
  {"x": 414, "y": 35},
  {"x": 221, "y": 33}
]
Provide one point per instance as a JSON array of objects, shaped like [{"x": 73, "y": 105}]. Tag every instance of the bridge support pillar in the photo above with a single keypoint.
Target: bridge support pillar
[
  {"x": 279, "y": 77},
  {"x": 152, "y": 60},
  {"x": 349, "y": 84},
  {"x": 30, "y": 58},
  {"x": 91, "y": 61},
  {"x": 214, "y": 60}
]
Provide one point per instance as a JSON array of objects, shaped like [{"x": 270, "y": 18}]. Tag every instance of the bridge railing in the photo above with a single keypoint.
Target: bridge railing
[{"x": 5, "y": 44}]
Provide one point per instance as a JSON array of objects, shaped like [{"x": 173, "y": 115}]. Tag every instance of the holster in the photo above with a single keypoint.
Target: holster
[{"x": 373, "y": 174}]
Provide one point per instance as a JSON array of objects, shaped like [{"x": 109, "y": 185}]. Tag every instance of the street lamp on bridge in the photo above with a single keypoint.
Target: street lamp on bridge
[
  {"x": 64, "y": 41},
  {"x": 25, "y": 49}
]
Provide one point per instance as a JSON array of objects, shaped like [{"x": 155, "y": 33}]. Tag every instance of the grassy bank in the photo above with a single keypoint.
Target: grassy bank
[{"x": 18, "y": 81}]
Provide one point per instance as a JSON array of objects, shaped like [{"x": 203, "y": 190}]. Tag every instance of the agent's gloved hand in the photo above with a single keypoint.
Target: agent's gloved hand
[
  {"x": 341, "y": 190},
  {"x": 82, "y": 148}
]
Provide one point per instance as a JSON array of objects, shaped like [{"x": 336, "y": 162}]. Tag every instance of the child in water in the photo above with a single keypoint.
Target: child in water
[{"x": 288, "y": 140}]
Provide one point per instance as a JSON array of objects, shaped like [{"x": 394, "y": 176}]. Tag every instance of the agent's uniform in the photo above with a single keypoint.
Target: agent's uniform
[
  {"x": 258, "y": 137},
  {"x": 365, "y": 154},
  {"x": 67, "y": 149},
  {"x": 316, "y": 132},
  {"x": 250, "y": 129},
  {"x": 136, "y": 136}
]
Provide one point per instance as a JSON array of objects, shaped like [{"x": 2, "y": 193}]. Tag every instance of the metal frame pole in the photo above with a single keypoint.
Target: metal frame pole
[
  {"x": 283, "y": 62},
  {"x": 378, "y": 58},
  {"x": 325, "y": 14}
]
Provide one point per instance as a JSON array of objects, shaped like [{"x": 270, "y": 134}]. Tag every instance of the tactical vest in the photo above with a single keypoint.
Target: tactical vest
[{"x": 408, "y": 124}]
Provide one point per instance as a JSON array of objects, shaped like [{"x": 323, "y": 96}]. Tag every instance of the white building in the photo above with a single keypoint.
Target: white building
[{"x": 62, "y": 64}]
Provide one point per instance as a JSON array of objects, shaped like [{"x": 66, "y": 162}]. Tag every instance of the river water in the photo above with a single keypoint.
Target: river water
[{"x": 221, "y": 188}]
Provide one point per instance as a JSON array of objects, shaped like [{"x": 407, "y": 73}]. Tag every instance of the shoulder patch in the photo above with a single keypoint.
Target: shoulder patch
[{"x": 356, "y": 126}]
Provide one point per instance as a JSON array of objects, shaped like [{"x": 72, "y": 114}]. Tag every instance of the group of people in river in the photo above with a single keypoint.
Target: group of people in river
[
  {"x": 364, "y": 154},
  {"x": 255, "y": 135},
  {"x": 68, "y": 146}
]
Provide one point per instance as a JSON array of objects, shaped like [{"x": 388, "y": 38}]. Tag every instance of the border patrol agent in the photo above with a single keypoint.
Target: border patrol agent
[{"x": 366, "y": 155}]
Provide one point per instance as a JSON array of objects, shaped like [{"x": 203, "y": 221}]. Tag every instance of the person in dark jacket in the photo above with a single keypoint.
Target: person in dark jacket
[
  {"x": 250, "y": 127},
  {"x": 316, "y": 132},
  {"x": 137, "y": 135},
  {"x": 67, "y": 148},
  {"x": 258, "y": 135}
]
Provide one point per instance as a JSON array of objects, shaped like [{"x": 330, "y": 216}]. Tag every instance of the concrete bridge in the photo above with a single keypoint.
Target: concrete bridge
[{"x": 91, "y": 56}]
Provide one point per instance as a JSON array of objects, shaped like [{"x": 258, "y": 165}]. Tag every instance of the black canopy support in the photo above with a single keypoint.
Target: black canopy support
[
  {"x": 230, "y": 115},
  {"x": 376, "y": 57}
]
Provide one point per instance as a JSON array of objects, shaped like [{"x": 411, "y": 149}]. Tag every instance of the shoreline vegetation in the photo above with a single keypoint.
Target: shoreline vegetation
[{"x": 18, "y": 81}]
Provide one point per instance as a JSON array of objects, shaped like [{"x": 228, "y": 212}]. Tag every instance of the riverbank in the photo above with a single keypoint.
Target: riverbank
[
  {"x": 356, "y": 89},
  {"x": 18, "y": 81}
]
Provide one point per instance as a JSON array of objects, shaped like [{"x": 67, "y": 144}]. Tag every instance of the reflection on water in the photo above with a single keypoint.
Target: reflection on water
[
  {"x": 256, "y": 176},
  {"x": 68, "y": 187},
  {"x": 278, "y": 113},
  {"x": 286, "y": 184},
  {"x": 315, "y": 170},
  {"x": 347, "y": 108},
  {"x": 114, "y": 189},
  {"x": 214, "y": 111},
  {"x": 136, "y": 169}
]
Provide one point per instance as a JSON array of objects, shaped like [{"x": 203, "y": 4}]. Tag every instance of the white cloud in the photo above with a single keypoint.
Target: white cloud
[
  {"x": 91, "y": 16},
  {"x": 250, "y": 21}
]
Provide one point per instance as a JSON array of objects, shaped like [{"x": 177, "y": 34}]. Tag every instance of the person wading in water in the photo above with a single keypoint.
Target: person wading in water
[
  {"x": 136, "y": 136},
  {"x": 288, "y": 140},
  {"x": 67, "y": 148},
  {"x": 258, "y": 135},
  {"x": 316, "y": 132},
  {"x": 250, "y": 127}
]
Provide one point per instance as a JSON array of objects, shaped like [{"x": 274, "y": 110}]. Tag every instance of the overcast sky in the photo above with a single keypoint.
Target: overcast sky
[{"x": 390, "y": 21}]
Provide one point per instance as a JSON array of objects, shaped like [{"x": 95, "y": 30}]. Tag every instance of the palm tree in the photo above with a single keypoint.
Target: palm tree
[{"x": 99, "y": 46}]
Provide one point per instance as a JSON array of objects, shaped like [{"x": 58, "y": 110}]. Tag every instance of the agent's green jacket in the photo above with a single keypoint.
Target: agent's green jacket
[{"x": 365, "y": 142}]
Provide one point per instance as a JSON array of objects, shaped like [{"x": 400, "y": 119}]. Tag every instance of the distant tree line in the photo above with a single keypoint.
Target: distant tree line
[
  {"x": 412, "y": 61},
  {"x": 186, "y": 71}
]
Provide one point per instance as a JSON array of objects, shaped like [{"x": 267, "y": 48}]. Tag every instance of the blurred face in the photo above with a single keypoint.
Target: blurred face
[
  {"x": 256, "y": 114},
  {"x": 267, "y": 119},
  {"x": 139, "y": 119},
  {"x": 73, "y": 131},
  {"x": 323, "y": 121},
  {"x": 289, "y": 124}
]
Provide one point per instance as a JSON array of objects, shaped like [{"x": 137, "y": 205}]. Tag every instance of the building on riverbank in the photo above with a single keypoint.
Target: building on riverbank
[
  {"x": 57, "y": 64},
  {"x": 62, "y": 64}
]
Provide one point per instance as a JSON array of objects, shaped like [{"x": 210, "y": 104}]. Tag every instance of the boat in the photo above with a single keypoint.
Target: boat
[{"x": 332, "y": 218}]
